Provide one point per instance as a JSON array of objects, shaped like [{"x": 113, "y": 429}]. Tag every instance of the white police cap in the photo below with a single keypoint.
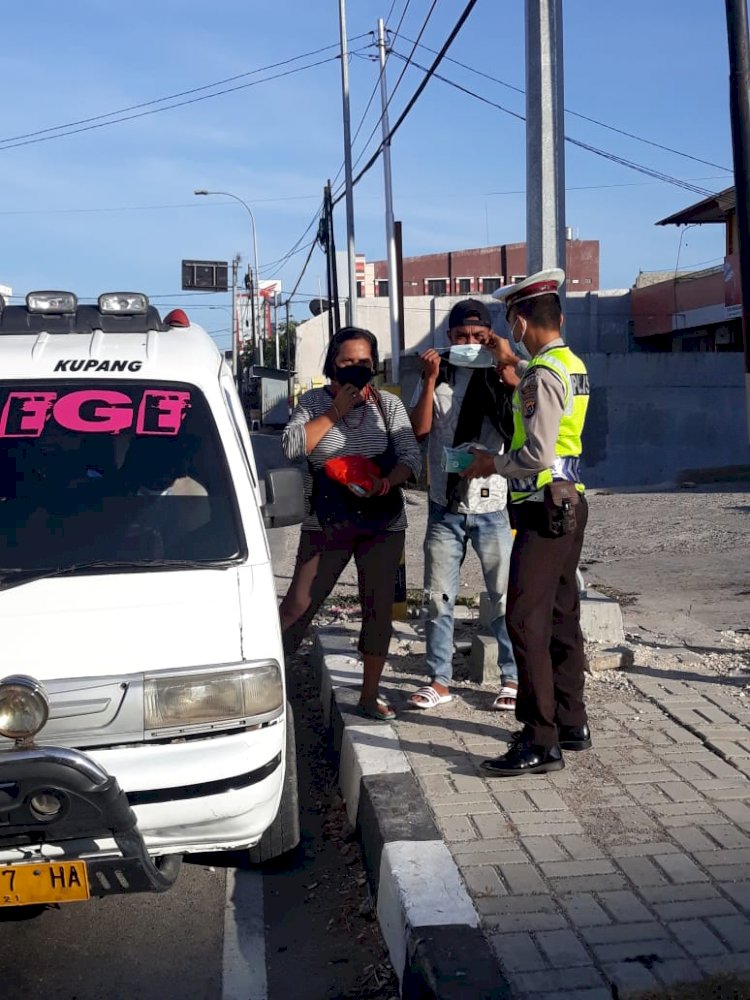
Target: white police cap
[{"x": 546, "y": 282}]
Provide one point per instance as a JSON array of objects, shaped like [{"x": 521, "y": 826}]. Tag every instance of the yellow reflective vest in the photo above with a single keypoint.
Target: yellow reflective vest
[{"x": 572, "y": 372}]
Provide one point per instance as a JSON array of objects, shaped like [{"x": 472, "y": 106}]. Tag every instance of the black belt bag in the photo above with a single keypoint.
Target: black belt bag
[
  {"x": 334, "y": 504},
  {"x": 560, "y": 501}
]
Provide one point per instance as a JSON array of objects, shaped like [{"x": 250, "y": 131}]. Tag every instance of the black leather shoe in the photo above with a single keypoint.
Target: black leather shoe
[
  {"x": 575, "y": 737},
  {"x": 525, "y": 758},
  {"x": 522, "y": 736}
]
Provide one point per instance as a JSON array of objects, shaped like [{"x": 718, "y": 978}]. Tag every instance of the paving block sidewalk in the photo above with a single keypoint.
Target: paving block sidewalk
[{"x": 628, "y": 869}]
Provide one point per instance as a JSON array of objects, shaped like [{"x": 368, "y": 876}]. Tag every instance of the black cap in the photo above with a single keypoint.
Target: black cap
[{"x": 469, "y": 312}]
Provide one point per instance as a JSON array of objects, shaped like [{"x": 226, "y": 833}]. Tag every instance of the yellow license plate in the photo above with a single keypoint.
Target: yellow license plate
[{"x": 48, "y": 882}]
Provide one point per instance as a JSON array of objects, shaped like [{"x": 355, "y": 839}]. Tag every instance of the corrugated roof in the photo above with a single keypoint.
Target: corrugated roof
[{"x": 715, "y": 208}]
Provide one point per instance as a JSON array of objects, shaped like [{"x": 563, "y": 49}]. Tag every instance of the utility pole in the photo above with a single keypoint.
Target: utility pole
[
  {"x": 235, "y": 337},
  {"x": 545, "y": 136},
  {"x": 276, "y": 331},
  {"x": 289, "y": 383},
  {"x": 397, "y": 232},
  {"x": 351, "y": 311},
  {"x": 390, "y": 238},
  {"x": 334, "y": 296},
  {"x": 250, "y": 295},
  {"x": 255, "y": 306},
  {"x": 739, "y": 112}
]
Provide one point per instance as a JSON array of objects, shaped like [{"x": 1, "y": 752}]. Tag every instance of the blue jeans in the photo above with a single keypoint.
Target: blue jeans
[{"x": 445, "y": 545}]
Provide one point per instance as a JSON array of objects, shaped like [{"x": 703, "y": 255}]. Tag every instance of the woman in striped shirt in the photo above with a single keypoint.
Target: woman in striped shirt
[{"x": 350, "y": 417}]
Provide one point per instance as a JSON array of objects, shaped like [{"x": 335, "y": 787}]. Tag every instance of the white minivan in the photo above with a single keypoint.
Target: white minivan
[{"x": 143, "y": 712}]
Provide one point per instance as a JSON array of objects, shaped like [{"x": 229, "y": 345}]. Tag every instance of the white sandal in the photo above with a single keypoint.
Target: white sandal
[
  {"x": 506, "y": 699},
  {"x": 430, "y": 696}
]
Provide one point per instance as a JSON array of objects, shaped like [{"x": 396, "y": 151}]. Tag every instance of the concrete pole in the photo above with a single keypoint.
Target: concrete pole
[
  {"x": 739, "y": 107},
  {"x": 276, "y": 333},
  {"x": 235, "y": 318},
  {"x": 545, "y": 142},
  {"x": 351, "y": 311},
  {"x": 390, "y": 236}
]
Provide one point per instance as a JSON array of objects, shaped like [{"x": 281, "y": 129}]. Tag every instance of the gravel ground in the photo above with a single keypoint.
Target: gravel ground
[
  {"x": 678, "y": 563},
  {"x": 677, "y": 560},
  {"x": 338, "y": 904}
]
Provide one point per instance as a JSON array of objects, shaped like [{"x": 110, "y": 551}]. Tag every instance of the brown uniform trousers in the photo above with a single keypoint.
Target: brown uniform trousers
[{"x": 543, "y": 619}]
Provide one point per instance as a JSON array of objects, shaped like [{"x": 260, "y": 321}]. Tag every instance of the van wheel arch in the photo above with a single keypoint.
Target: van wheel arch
[{"x": 283, "y": 835}]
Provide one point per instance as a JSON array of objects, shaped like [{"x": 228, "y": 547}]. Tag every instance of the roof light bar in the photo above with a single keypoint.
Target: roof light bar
[
  {"x": 123, "y": 303},
  {"x": 51, "y": 302}
]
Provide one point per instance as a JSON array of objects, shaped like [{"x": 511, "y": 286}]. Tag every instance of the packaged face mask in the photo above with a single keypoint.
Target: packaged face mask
[
  {"x": 471, "y": 356},
  {"x": 456, "y": 459}
]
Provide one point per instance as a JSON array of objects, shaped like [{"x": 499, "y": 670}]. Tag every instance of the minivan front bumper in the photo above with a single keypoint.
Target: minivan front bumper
[
  {"x": 143, "y": 804},
  {"x": 89, "y": 803}
]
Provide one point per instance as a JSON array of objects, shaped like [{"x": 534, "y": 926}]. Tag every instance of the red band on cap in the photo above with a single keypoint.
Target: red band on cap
[{"x": 538, "y": 288}]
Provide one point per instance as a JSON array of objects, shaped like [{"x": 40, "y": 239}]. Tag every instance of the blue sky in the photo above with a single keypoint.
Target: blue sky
[{"x": 112, "y": 207}]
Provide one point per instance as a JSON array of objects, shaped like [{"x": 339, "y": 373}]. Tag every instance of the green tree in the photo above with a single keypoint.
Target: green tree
[{"x": 288, "y": 337}]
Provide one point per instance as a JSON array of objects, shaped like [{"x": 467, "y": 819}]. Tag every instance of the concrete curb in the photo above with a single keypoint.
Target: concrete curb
[{"x": 429, "y": 923}]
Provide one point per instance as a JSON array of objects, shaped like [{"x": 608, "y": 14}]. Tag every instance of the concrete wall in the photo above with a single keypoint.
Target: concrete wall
[
  {"x": 654, "y": 415},
  {"x": 651, "y": 415},
  {"x": 595, "y": 321}
]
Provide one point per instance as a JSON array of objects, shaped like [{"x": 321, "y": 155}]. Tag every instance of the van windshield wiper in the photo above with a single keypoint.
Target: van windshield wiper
[{"x": 15, "y": 577}]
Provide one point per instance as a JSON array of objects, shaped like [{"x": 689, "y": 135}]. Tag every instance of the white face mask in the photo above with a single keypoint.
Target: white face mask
[
  {"x": 522, "y": 348},
  {"x": 471, "y": 356}
]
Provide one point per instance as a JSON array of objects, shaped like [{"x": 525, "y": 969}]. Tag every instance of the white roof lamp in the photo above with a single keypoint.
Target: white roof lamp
[
  {"x": 56, "y": 303},
  {"x": 123, "y": 304}
]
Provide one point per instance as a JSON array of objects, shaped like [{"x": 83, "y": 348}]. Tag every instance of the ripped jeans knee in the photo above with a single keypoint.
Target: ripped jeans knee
[{"x": 438, "y": 603}]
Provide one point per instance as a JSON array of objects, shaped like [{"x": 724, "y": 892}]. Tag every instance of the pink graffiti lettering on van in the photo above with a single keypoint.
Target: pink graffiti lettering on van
[{"x": 93, "y": 411}]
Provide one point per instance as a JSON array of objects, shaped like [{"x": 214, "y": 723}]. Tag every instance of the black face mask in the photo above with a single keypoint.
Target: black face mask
[{"x": 356, "y": 375}]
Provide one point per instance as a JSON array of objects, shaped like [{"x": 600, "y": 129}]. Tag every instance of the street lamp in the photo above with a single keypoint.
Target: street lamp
[{"x": 256, "y": 290}]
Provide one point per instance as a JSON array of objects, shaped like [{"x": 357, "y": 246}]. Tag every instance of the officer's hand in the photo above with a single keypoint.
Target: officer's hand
[
  {"x": 430, "y": 364},
  {"x": 346, "y": 398},
  {"x": 504, "y": 353},
  {"x": 509, "y": 375},
  {"x": 482, "y": 466}
]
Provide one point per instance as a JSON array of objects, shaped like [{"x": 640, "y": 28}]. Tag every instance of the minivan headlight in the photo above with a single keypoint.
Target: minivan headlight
[
  {"x": 24, "y": 707},
  {"x": 204, "y": 699}
]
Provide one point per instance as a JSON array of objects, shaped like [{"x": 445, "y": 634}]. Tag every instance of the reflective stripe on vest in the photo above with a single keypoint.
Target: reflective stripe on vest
[{"x": 574, "y": 377}]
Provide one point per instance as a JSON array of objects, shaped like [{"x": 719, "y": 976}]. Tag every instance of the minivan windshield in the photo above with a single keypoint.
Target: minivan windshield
[{"x": 96, "y": 473}]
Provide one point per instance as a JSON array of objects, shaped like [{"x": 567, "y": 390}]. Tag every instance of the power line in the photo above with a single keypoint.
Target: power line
[
  {"x": 632, "y": 165},
  {"x": 393, "y": 4},
  {"x": 577, "y": 114},
  {"x": 296, "y": 247},
  {"x": 169, "y": 107},
  {"x": 171, "y": 97},
  {"x": 597, "y": 187},
  {"x": 144, "y": 208},
  {"x": 398, "y": 82},
  {"x": 302, "y": 272},
  {"x": 416, "y": 95},
  {"x": 374, "y": 89}
]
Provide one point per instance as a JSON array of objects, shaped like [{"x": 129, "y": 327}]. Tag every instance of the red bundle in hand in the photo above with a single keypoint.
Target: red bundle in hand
[{"x": 352, "y": 470}]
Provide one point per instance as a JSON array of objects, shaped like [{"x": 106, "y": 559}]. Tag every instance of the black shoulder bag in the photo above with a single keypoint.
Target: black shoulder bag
[{"x": 335, "y": 504}]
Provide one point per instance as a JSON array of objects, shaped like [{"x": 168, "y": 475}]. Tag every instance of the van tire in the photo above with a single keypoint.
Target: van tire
[{"x": 283, "y": 835}]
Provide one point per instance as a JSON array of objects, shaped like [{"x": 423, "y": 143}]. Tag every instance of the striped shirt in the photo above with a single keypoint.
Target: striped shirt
[{"x": 361, "y": 432}]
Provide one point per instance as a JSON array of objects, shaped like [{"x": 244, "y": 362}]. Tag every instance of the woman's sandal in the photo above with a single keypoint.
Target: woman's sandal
[
  {"x": 427, "y": 697},
  {"x": 379, "y": 710},
  {"x": 506, "y": 699}
]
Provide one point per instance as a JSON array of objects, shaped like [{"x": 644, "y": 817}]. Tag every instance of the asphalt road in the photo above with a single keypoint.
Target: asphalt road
[{"x": 225, "y": 931}]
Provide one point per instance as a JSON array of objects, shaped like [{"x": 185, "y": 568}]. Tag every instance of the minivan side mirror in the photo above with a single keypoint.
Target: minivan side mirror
[{"x": 285, "y": 498}]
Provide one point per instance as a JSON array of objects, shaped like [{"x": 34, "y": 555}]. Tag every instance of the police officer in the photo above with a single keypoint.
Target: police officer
[{"x": 549, "y": 512}]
